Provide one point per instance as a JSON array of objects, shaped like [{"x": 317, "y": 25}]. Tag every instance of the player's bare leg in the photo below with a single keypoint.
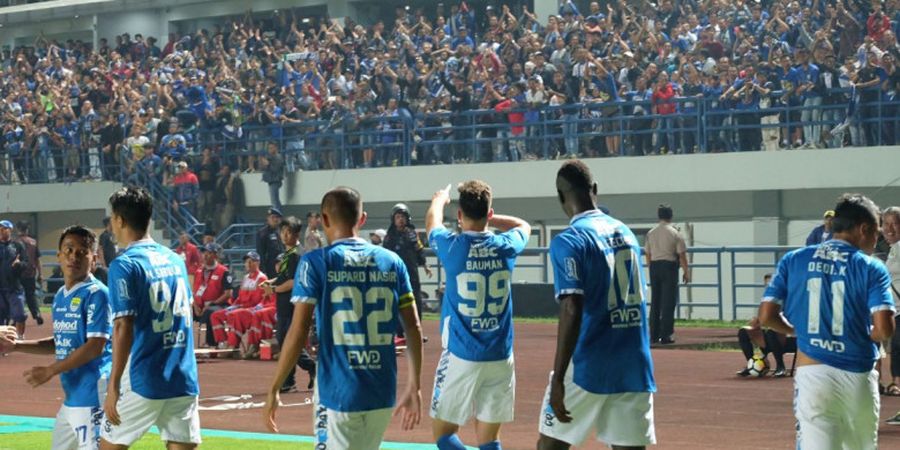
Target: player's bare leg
[
  {"x": 105, "y": 445},
  {"x": 180, "y": 446},
  {"x": 486, "y": 432}
]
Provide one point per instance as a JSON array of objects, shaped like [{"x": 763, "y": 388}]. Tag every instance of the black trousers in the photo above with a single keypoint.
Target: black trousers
[
  {"x": 663, "y": 297},
  {"x": 204, "y": 319},
  {"x": 284, "y": 315},
  {"x": 895, "y": 351},
  {"x": 29, "y": 285},
  {"x": 773, "y": 345}
]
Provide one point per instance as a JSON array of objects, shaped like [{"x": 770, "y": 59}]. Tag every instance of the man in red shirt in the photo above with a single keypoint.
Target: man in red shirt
[
  {"x": 187, "y": 188},
  {"x": 664, "y": 105},
  {"x": 212, "y": 289},
  {"x": 187, "y": 250},
  {"x": 238, "y": 315}
]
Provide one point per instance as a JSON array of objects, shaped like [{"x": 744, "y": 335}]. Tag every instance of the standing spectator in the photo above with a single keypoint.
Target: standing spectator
[
  {"x": 229, "y": 196},
  {"x": 206, "y": 176},
  {"x": 31, "y": 272},
  {"x": 403, "y": 240},
  {"x": 107, "y": 244},
  {"x": 212, "y": 289},
  {"x": 890, "y": 223},
  {"x": 268, "y": 242},
  {"x": 313, "y": 238},
  {"x": 187, "y": 250},
  {"x": 665, "y": 250},
  {"x": 822, "y": 232},
  {"x": 377, "y": 237},
  {"x": 663, "y": 105},
  {"x": 13, "y": 261},
  {"x": 187, "y": 189},
  {"x": 273, "y": 174}
]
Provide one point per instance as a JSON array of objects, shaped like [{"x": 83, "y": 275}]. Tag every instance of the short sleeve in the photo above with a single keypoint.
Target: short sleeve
[
  {"x": 568, "y": 270},
  {"x": 99, "y": 319},
  {"x": 227, "y": 280},
  {"x": 879, "y": 296},
  {"x": 405, "y": 296},
  {"x": 121, "y": 289},
  {"x": 514, "y": 241},
  {"x": 439, "y": 241},
  {"x": 776, "y": 291},
  {"x": 308, "y": 280},
  {"x": 680, "y": 246}
]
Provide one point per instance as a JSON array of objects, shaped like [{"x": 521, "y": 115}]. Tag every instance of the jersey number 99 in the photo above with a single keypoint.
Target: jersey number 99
[
  {"x": 374, "y": 318},
  {"x": 491, "y": 293}
]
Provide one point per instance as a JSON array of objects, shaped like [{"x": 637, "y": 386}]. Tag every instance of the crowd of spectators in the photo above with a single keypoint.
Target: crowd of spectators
[{"x": 619, "y": 77}]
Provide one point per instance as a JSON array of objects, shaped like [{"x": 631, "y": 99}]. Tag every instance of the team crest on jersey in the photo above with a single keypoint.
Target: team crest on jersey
[
  {"x": 75, "y": 303},
  {"x": 571, "y": 269}
]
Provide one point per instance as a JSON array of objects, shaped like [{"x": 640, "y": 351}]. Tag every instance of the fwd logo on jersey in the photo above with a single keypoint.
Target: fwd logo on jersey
[
  {"x": 174, "y": 339},
  {"x": 625, "y": 317},
  {"x": 364, "y": 359},
  {"x": 483, "y": 324},
  {"x": 831, "y": 346}
]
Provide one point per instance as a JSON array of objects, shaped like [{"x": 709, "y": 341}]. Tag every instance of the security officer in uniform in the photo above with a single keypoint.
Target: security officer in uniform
[
  {"x": 268, "y": 243},
  {"x": 403, "y": 240}
]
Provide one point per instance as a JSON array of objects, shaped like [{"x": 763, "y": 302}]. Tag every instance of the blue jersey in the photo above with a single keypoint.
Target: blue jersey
[
  {"x": 828, "y": 293},
  {"x": 79, "y": 314},
  {"x": 149, "y": 282},
  {"x": 358, "y": 289},
  {"x": 599, "y": 258},
  {"x": 476, "y": 312}
]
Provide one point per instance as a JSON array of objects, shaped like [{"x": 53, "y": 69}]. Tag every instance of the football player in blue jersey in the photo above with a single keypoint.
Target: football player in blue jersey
[
  {"x": 476, "y": 370},
  {"x": 81, "y": 329},
  {"x": 358, "y": 292},
  {"x": 602, "y": 376},
  {"x": 153, "y": 380},
  {"x": 836, "y": 299}
]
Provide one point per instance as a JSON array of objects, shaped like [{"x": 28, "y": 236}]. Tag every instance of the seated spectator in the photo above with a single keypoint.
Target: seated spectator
[{"x": 767, "y": 341}]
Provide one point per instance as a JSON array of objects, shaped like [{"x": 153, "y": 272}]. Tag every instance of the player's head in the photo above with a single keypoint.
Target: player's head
[
  {"x": 890, "y": 224},
  {"x": 132, "y": 208},
  {"x": 289, "y": 230},
  {"x": 475, "y": 204},
  {"x": 856, "y": 221},
  {"x": 575, "y": 187},
  {"x": 342, "y": 211},
  {"x": 76, "y": 252},
  {"x": 251, "y": 262},
  {"x": 664, "y": 212}
]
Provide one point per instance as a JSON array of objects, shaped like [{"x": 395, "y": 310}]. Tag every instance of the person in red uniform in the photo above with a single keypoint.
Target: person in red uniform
[
  {"x": 212, "y": 289},
  {"x": 187, "y": 250},
  {"x": 238, "y": 315}
]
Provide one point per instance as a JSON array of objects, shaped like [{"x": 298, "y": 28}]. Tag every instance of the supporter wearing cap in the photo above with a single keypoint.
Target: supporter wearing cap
[
  {"x": 822, "y": 232},
  {"x": 268, "y": 242},
  {"x": 212, "y": 289},
  {"x": 13, "y": 261},
  {"x": 377, "y": 236},
  {"x": 239, "y": 315}
]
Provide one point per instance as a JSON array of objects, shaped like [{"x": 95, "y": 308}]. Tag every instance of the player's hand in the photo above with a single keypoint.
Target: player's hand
[
  {"x": 411, "y": 409},
  {"x": 8, "y": 336},
  {"x": 109, "y": 407},
  {"x": 38, "y": 375},
  {"x": 558, "y": 402},
  {"x": 442, "y": 195},
  {"x": 272, "y": 402}
]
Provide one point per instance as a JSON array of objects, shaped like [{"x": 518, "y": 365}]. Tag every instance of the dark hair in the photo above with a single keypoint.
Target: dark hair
[
  {"x": 343, "y": 204},
  {"x": 475, "y": 199},
  {"x": 134, "y": 205},
  {"x": 292, "y": 223},
  {"x": 106, "y": 221},
  {"x": 312, "y": 214},
  {"x": 81, "y": 231},
  {"x": 853, "y": 210},
  {"x": 664, "y": 212},
  {"x": 577, "y": 174},
  {"x": 22, "y": 226}
]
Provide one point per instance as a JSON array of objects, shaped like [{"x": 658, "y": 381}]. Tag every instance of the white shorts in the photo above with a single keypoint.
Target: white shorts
[
  {"x": 337, "y": 430},
  {"x": 624, "y": 419},
  {"x": 461, "y": 387},
  {"x": 178, "y": 419},
  {"x": 835, "y": 408},
  {"x": 77, "y": 428}
]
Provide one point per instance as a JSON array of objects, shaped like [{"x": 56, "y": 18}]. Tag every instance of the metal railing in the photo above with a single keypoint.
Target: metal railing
[{"x": 700, "y": 124}]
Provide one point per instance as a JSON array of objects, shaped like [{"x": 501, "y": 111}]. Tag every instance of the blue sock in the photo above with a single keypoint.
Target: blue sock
[
  {"x": 494, "y": 445},
  {"x": 450, "y": 442}
]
